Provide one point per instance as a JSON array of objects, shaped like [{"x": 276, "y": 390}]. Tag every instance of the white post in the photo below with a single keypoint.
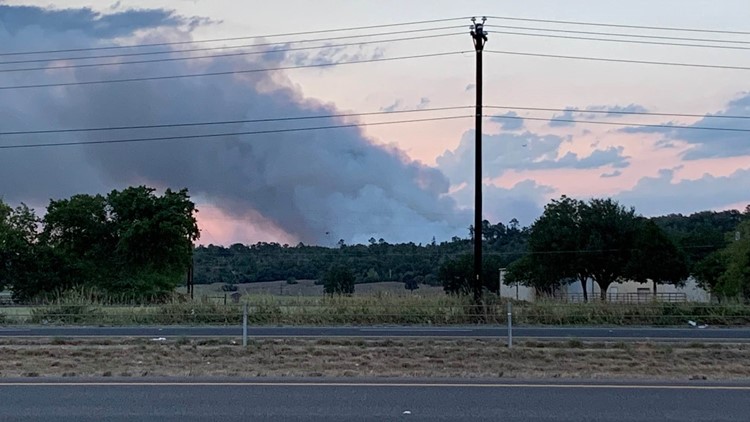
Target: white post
[
  {"x": 244, "y": 326},
  {"x": 510, "y": 324}
]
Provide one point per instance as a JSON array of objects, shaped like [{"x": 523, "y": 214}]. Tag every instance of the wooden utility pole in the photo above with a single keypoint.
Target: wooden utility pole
[{"x": 479, "y": 35}]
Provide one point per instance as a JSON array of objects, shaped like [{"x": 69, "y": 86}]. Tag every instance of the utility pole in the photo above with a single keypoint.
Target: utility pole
[{"x": 479, "y": 35}]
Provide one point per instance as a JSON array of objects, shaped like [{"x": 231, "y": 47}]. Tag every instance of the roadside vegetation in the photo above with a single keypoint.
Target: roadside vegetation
[
  {"x": 378, "y": 309},
  {"x": 343, "y": 357}
]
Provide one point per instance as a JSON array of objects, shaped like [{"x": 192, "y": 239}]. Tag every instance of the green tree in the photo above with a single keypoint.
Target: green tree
[
  {"x": 735, "y": 281},
  {"x": 655, "y": 257},
  {"x": 709, "y": 270},
  {"x": 338, "y": 280},
  {"x": 556, "y": 247},
  {"x": 80, "y": 233},
  {"x": 608, "y": 231},
  {"x": 18, "y": 232},
  {"x": 456, "y": 274},
  {"x": 411, "y": 282},
  {"x": 155, "y": 236}
]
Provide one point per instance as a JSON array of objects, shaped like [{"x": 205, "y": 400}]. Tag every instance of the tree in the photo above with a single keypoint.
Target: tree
[
  {"x": 735, "y": 281},
  {"x": 81, "y": 234},
  {"x": 525, "y": 271},
  {"x": 655, "y": 257},
  {"x": 18, "y": 230},
  {"x": 155, "y": 238},
  {"x": 608, "y": 231},
  {"x": 457, "y": 274},
  {"x": 556, "y": 249},
  {"x": 338, "y": 280},
  {"x": 411, "y": 282}
]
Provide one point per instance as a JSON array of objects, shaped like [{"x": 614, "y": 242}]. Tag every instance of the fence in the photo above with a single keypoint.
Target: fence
[
  {"x": 379, "y": 313},
  {"x": 634, "y": 297}
]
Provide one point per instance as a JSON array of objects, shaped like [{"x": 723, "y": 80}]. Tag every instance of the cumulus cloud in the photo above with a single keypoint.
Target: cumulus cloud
[
  {"x": 399, "y": 105},
  {"x": 509, "y": 120},
  {"x": 332, "y": 54},
  {"x": 662, "y": 194},
  {"x": 521, "y": 151},
  {"x": 613, "y": 110},
  {"x": 708, "y": 143},
  {"x": 615, "y": 173},
  {"x": 565, "y": 119},
  {"x": 306, "y": 183}
]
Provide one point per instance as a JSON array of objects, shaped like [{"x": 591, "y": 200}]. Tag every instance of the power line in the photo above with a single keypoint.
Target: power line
[
  {"x": 596, "y": 122},
  {"x": 572, "y": 37},
  {"x": 376, "y": 113},
  {"x": 619, "y": 34},
  {"x": 612, "y": 25},
  {"x": 217, "y": 135},
  {"x": 604, "y": 59},
  {"x": 231, "y": 47},
  {"x": 289, "y": 34},
  {"x": 231, "y": 72},
  {"x": 213, "y": 56},
  {"x": 229, "y": 122},
  {"x": 614, "y": 112}
]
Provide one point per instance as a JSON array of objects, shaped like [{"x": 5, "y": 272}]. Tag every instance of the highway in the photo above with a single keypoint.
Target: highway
[
  {"x": 582, "y": 333},
  {"x": 373, "y": 400}
]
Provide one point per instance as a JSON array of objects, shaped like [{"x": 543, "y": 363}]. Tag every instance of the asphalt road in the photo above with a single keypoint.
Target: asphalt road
[
  {"x": 375, "y": 401},
  {"x": 583, "y": 333}
]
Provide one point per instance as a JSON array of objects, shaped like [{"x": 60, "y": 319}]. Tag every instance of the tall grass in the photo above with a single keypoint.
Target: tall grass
[{"x": 81, "y": 308}]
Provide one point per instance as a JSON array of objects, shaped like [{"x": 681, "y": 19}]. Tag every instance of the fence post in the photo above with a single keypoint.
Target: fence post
[
  {"x": 510, "y": 324},
  {"x": 244, "y": 325}
]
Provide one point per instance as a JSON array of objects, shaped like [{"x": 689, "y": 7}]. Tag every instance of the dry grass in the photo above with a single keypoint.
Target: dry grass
[{"x": 379, "y": 358}]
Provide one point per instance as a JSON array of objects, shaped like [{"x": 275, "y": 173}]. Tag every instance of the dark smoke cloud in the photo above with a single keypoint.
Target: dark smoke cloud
[{"x": 314, "y": 185}]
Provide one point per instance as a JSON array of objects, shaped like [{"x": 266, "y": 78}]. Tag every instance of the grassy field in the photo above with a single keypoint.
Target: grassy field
[
  {"x": 376, "y": 310},
  {"x": 308, "y": 288},
  {"x": 379, "y": 358},
  {"x": 382, "y": 305}
]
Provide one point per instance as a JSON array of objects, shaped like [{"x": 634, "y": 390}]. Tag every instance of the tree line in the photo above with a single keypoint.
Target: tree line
[
  {"x": 130, "y": 245},
  {"x": 136, "y": 245},
  {"x": 572, "y": 242}
]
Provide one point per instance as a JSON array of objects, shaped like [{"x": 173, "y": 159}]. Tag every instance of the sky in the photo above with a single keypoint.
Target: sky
[{"x": 400, "y": 182}]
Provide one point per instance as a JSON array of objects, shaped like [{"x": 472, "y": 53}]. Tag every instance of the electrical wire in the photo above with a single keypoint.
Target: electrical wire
[
  {"x": 229, "y": 122},
  {"x": 615, "y": 112},
  {"x": 230, "y": 72},
  {"x": 572, "y": 37},
  {"x": 214, "y": 56},
  {"x": 376, "y": 113},
  {"x": 289, "y": 34},
  {"x": 596, "y": 122},
  {"x": 618, "y": 34},
  {"x": 613, "y": 25},
  {"x": 217, "y": 135},
  {"x": 231, "y": 47},
  {"x": 605, "y": 59}
]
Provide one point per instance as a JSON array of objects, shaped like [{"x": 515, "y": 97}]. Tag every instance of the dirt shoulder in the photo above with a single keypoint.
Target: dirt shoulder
[{"x": 378, "y": 358}]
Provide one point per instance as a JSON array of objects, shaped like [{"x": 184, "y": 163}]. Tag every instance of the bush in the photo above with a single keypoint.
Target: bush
[
  {"x": 291, "y": 281},
  {"x": 338, "y": 280},
  {"x": 229, "y": 288}
]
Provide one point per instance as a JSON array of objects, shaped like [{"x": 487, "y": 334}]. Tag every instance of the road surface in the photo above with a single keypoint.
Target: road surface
[
  {"x": 374, "y": 401},
  {"x": 582, "y": 333}
]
